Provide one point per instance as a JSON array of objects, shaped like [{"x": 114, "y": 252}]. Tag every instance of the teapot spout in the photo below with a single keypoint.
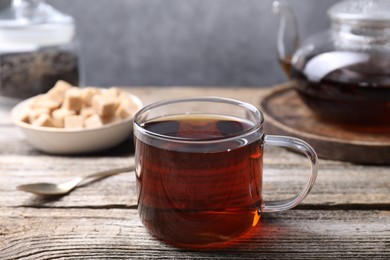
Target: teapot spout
[{"x": 288, "y": 35}]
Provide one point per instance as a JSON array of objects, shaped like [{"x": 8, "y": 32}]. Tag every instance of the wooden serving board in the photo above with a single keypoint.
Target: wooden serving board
[{"x": 286, "y": 114}]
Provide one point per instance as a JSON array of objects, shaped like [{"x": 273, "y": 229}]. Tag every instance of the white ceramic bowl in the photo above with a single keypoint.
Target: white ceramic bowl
[{"x": 60, "y": 141}]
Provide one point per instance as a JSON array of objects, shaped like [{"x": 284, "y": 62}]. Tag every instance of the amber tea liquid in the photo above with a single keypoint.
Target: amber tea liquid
[
  {"x": 354, "y": 94},
  {"x": 194, "y": 193}
]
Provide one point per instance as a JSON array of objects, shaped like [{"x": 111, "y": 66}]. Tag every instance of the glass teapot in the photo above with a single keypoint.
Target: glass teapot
[
  {"x": 342, "y": 74},
  {"x": 37, "y": 47}
]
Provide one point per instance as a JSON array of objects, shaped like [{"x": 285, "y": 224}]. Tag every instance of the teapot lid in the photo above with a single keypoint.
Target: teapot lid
[
  {"x": 361, "y": 11},
  {"x": 33, "y": 24}
]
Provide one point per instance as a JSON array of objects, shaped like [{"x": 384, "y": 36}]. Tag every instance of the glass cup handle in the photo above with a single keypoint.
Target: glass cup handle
[{"x": 304, "y": 148}]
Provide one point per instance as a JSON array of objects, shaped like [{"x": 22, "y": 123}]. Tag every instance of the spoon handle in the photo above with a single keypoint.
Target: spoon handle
[{"x": 99, "y": 175}]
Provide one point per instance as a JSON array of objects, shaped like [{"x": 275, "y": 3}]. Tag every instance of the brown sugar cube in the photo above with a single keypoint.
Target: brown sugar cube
[
  {"x": 57, "y": 92},
  {"x": 44, "y": 120},
  {"x": 88, "y": 93},
  {"x": 87, "y": 112},
  {"x": 74, "y": 122},
  {"x": 33, "y": 114},
  {"x": 104, "y": 105},
  {"x": 93, "y": 121},
  {"x": 24, "y": 117},
  {"x": 35, "y": 102},
  {"x": 114, "y": 91},
  {"x": 124, "y": 111},
  {"x": 43, "y": 101},
  {"x": 73, "y": 99},
  {"x": 59, "y": 115},
  {"x": 124, "y": 98},
  {"x": 110, "y": 119},
  {"x": 126, "y": 107}
]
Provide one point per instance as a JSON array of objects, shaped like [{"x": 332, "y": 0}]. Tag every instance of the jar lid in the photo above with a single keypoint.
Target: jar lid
[
  {"x": 372, "y": 12},
  {"x": 30, "y": 24}
]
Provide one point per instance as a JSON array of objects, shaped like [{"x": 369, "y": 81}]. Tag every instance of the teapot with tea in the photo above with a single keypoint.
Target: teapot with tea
[{"x": 342, "y": 74}]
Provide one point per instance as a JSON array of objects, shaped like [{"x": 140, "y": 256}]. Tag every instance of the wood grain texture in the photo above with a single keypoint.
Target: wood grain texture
[
  {"x": 282, "y": 178},
  {"x": 346, "y": 215},
  {"x": 117, "y": 233}
]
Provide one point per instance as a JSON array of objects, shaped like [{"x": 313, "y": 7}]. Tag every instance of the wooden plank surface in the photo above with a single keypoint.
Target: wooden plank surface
[
  {"x": 117, "y": 233},
  {"x": 363, "y": 186},
  {"x": 346, "y": 215}
]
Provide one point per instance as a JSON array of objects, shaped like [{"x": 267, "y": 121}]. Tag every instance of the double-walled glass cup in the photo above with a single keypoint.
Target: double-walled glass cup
[{"x": 199, "y": 168}]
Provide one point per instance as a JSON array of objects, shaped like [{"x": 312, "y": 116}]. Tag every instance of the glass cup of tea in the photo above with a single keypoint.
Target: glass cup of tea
[{"x": 199, "y": 170}]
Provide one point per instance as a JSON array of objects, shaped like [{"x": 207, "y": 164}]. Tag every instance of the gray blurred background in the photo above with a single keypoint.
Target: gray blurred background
[{"x": 184, "y": 42}]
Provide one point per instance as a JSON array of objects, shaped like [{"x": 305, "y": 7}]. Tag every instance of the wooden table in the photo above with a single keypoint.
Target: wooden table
[{"x": 347, "y": 214}]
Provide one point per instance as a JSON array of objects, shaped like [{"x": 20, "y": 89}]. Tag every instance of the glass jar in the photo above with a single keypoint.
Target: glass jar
[{"x": 37, "y": 48}]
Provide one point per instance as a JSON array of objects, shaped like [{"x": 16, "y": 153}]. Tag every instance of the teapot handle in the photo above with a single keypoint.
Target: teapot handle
[{"x": 288, "y": 34}]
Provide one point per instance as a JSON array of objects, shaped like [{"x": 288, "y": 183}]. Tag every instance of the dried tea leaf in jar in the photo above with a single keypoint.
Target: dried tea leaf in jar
[{"x": 37, "y": 48}]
